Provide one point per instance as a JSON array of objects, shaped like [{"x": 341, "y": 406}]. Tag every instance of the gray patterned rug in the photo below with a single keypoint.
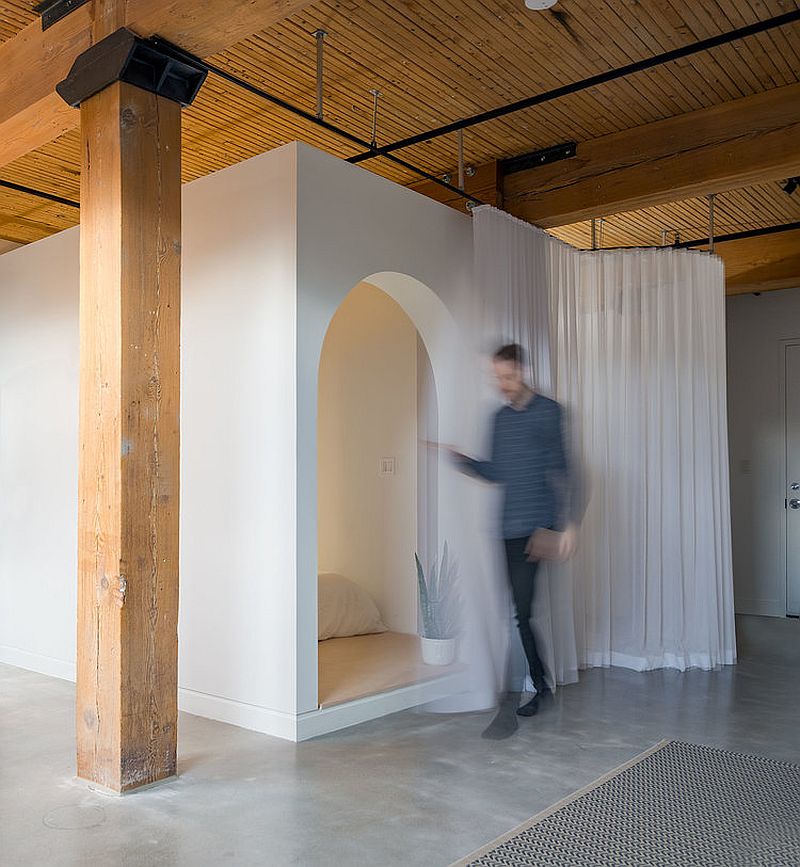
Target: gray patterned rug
[{"x": 676, "y": 805}]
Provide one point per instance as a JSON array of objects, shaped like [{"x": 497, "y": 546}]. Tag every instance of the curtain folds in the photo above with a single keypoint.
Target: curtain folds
[{"x": 632, "y": 344}]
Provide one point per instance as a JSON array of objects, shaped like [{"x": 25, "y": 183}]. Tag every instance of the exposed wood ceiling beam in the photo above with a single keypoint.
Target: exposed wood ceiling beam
[
  {"x": 734, "y": 144},
  {"x": 761, "y": 264},
  {"x": 33, "y": 62}
]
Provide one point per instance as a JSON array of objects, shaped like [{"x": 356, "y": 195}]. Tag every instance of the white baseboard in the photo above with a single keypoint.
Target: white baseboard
[
  {"x": 340, "y": 716},
  {"x": 37, "y": 662},
  {"x": 238, "y": 713},
  {"x": 290, "y": 727},
  {"x": 761, "y": 607}
]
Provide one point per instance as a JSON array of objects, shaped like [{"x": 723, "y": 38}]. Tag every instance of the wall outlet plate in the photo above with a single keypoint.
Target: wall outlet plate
[{"x": 387, "y": 466}]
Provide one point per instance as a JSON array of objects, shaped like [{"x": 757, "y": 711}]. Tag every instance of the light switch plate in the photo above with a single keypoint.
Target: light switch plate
[{"x": 387, "y": 467}]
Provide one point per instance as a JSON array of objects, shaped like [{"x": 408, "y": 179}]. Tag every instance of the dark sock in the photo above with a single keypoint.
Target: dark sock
[
  {"x": 505, "y": 722},
  {"x": 531, "y": 708}
]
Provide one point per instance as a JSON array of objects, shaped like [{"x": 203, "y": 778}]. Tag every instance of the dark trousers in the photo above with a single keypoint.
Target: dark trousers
[{"x": 522, "y": 579}]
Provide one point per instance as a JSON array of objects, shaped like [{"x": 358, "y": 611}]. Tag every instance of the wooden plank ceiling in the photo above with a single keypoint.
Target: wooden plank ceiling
[
  {"x": 755, "y": 207},
  {"x": 439, "y": 60}
]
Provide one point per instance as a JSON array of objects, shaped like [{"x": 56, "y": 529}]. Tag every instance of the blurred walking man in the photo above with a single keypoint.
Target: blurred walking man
[{"x": 529, "y": 458}]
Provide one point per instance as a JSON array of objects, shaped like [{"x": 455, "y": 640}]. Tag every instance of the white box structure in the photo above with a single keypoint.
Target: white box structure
[{"x": 271, "y": 248}]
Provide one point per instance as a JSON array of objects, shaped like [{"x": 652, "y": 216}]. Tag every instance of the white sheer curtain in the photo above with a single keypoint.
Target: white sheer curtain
[{"x": 632, "y": 343}]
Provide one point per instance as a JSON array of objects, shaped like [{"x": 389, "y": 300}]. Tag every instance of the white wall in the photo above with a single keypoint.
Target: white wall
[
  {"x": 38, "y": 454},
  {"x": 368, "y": 410},
  {"x": 237, "y": 620},
  {"x": 756, "y": 326},
  {"x": 237, "y": 616}
]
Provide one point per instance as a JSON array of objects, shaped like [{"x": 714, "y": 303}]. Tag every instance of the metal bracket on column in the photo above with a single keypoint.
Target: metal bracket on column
[
  {"x": 533, "y": 160},
  {"x": 54, "y": 10},
  {"x": 124, "y": 56}
]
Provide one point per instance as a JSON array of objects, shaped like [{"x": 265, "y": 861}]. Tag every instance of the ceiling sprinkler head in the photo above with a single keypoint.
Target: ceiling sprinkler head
[{"x": 539, "y": 5}]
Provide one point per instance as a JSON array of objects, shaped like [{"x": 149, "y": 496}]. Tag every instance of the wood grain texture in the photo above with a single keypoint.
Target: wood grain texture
[
  {"x": 34, "y": 61},
  {"x": 761, "y": 264},
  {"x": 107, "y": 17},
  {"x": 205, "y": 28},
  {"x": 15, "y": 15},
  {"x": 757, "y": 264},
  {"x": 36, "y": 125},
  {"x": 755, "y": 207},
  {"x": 129, "y": 439},
  {"x": 362, "y": 665},
  {"x": 736, "y": 144}
]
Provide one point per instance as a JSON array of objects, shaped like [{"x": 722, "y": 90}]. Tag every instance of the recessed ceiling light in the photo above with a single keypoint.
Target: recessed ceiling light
[{"x": 540, "y": 4}]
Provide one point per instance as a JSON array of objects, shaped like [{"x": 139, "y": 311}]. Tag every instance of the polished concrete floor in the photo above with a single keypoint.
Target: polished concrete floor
[{"x": 411, "y": 789}]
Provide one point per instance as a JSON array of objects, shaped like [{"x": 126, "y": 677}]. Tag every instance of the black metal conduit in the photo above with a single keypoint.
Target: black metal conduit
[
  {"x": 305, "y": 115},
  {"x": 19, "y": 188},
  {"x": 576, "y": 87},
  {"x": 739, "y": 236},
  {"x": 701, "y": 242}
]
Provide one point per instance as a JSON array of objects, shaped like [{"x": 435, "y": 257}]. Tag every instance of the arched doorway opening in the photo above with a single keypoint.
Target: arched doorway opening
[{"x": 377, "y": 492}]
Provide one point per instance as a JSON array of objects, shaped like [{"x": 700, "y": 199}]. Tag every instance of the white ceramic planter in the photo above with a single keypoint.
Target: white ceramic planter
[{"x": 438, "y": 651}]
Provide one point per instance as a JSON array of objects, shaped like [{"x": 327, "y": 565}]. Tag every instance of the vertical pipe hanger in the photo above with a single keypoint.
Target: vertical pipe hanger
[
  {"x": 711, "y": 214},
  {"x": 594, "y": 233},
  {"x": 375, "y": 97},
  {"x": 460, "y": 139},
  {"x": 320, "y": 35}
]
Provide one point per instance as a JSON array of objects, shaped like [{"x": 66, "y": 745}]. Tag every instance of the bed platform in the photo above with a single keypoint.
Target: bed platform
[{"x": 364, "y": 665}]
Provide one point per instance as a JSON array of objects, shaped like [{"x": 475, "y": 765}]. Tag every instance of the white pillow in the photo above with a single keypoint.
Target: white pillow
[{"x": 345, "y": 609}]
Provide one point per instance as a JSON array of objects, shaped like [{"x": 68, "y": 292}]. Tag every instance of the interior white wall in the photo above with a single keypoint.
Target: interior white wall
[
  {"x": 368, "y": 410},
  {"x": 756, "y": 326},
  {"x": 38, "y": 454},
  {"x": 237, "y": 616}
]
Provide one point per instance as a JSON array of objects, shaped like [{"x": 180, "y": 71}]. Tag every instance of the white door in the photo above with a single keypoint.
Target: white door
[{"x": 793, "y": 479}]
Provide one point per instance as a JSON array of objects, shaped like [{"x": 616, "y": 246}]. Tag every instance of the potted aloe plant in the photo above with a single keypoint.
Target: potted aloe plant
[{"x": 440, "y": 606}]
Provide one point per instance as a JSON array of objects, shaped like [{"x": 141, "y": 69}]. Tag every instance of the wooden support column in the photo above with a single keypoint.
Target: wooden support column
[{"x": 129, "y": 438}]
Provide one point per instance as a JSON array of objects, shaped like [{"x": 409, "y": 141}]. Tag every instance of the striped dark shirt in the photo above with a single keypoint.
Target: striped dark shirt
[{"x": 529, "y": 459}]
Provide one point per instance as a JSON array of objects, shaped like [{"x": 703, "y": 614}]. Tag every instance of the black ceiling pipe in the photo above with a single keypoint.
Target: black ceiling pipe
[
  {"x": 592, "y": 81},
  {"x": 739, "y": 236},
  {"x": 50, "y": 197},
  {"x": 166, "y": 46}
]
